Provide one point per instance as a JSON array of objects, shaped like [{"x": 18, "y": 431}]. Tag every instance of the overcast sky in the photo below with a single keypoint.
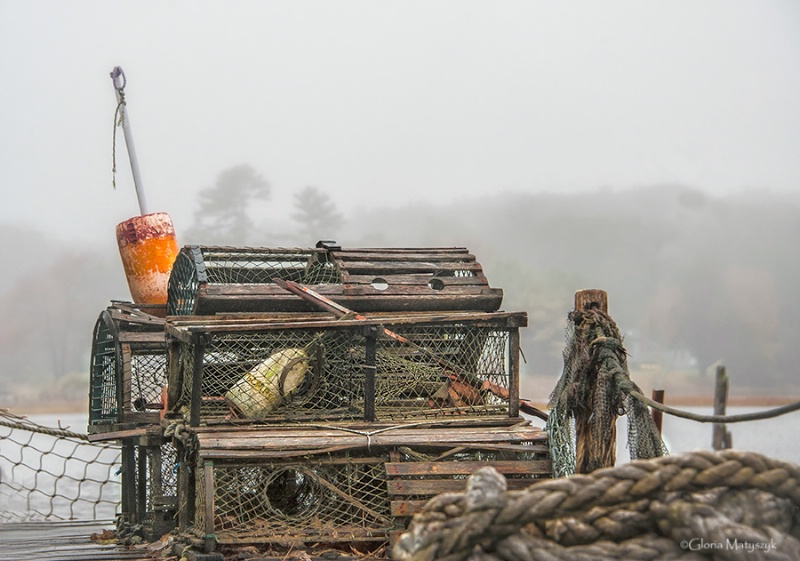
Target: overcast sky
[{"x": 391, "y": 102}]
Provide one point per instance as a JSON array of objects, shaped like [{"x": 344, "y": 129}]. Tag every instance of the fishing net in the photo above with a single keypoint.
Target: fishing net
[
  {"x": 594, "y": 389},
  {"x": 55, "y": 474}
]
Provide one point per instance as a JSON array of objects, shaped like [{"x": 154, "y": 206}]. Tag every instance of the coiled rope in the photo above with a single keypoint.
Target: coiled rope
[{"x": 726, "y": 505}]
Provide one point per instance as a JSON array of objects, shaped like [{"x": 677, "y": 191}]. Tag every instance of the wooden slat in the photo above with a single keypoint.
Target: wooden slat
[
  {"x": 477, "y": 319},
  {"x": 418, "y": 291},
  {"x": 506, "y": 467},
  {"x": 255, "y": 299},
  {"x": 350, "y": 256},
  {"x": 436, "y": 486},
  {"x": 129, "y": 433},
  {"x": 418, "y": 279},
  {"x": 407, "y": 508},
  {"x": 291, "y": 441},
  {"x": 408, "y": 267},
  {"x": 395, "y": 250},
  {"x": 143, "y": 337},
  {"x": 336, "y": 291}
]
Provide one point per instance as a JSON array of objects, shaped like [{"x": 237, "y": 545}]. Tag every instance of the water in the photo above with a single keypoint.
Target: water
[{"x": 772, "y": 437}]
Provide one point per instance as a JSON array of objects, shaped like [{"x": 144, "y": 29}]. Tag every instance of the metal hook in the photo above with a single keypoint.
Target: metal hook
[{"x": 115, "y": 75}]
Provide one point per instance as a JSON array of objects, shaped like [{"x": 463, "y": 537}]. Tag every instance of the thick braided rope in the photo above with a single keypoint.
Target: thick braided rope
[{"x": 641, "y": 510}]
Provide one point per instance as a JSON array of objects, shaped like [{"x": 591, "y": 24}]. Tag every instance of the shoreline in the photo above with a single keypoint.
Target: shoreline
[{"x": 768, "y": 401}]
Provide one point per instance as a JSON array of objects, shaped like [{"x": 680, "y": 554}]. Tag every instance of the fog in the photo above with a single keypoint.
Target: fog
[{"x": 648, "y": 149}]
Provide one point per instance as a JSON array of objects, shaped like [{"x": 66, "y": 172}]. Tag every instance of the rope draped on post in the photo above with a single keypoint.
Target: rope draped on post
[
  {"x": 594, "y": 389},
  {"x": 727, "y": 505}
]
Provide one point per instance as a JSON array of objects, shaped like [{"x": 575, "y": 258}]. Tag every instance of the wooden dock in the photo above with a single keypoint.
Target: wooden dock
[{"x": 62, "y": 541}]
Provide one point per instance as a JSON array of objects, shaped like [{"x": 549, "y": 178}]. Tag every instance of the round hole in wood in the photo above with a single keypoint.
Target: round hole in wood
[{"x": 379, "y": 284}]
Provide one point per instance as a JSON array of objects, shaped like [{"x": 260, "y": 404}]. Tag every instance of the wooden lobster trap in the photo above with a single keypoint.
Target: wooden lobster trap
[
  {"x": 127, "y": 396},
  {"x": 314, "y": 367},
  {"x": 128, "y": 371},
  {"x": 342, "y": 483},
  {"x": 212, "y": 280},
  {"x": 326, "y": 419}
]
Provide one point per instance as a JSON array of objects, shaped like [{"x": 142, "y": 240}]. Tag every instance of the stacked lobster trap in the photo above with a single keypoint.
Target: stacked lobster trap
[
  {"x": 323, "y": 394},
  {"x": 127, "y": 394}
]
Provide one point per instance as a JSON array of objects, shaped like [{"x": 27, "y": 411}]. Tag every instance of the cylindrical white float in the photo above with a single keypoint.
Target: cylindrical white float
[{"x": 260, "y": 390}]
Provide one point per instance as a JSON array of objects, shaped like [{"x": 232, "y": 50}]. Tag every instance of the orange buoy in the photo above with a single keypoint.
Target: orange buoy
[{"x": 148, "y": 248}]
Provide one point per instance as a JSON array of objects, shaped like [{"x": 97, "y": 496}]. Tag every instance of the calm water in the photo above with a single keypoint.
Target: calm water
[{"x": 772, "y": 437}]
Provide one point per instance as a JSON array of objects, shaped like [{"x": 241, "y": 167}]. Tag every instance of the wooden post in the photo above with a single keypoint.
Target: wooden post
[
  {"x": 658, "y": 416},
  {"x": 371, "y": 349},
  {"x": 129, "y": 481},
  {"x": 721, "y": 439},
  {"x": 186, "y": 489},
  {"x": 591, "y": 454},
  {"x": 209, "y": 540},
  {"x": 197, "y": 380},
  {"x": 141, "y": 485},
  {"x": 126, "y": 389},
  {"x": 591, "y": 298},
  {"x": 513, "y": 372}
]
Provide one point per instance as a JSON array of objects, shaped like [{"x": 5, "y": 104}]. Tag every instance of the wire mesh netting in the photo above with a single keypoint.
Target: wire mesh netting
[
  {"x": 103, "y": 406},
  {"x": 231, "y": 265},
  {"x": 339, "y": 499},
  {"x": 55, "y": 474},
  {"x": 128, "y": 369},
  {"x": 308, "y": 373}
]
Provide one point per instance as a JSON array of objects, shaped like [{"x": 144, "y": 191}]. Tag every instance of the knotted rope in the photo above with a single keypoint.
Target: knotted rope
[{"x": 727, "y": 505}]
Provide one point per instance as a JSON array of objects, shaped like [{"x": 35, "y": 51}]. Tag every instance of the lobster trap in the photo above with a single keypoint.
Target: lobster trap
[
  {"x": 212, "y": 280},
  {"x": 286, "y": 485},
  {"x": 128, "y": 371},
  {"x": 313, "y": 368},
  {"x": 248, "y": 415}
]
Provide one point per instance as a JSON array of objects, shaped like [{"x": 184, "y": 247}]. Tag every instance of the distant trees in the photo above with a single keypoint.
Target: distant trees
[
  {"x": 48, "y": 315},
  {"x": 317, "y": 215},
  {"x": 222, "y": 217},
  {"x": 688, "y": 276}
]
